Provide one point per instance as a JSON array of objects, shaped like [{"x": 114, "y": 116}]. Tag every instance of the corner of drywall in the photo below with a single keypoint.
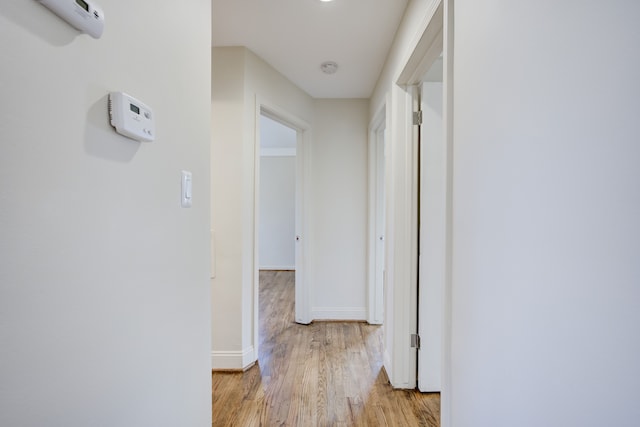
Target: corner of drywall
[{"x": 227, "y": 124}]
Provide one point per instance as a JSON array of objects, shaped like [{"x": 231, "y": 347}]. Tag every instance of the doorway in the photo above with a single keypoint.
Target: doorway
[
  {"x": 435, "y": 43},
  {"x": 288, "y": 126},
  {"x": 275, "y": 240}
]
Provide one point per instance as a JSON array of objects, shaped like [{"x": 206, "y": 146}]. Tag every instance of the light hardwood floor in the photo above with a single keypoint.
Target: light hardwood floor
[{"x": 323, "y": 374}]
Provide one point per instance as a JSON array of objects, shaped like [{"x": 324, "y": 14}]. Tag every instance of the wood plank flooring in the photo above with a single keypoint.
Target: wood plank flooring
[{"x": 323, "y": 374}]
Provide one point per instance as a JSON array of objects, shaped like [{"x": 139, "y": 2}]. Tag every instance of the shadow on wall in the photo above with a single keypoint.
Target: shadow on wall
[
  {"x": 30, "y": 15},
  {"x": 101, "y": 140}
]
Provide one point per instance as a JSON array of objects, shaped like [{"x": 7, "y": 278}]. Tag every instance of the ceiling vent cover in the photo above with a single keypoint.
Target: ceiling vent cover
[{"x": 329, "y": 67}]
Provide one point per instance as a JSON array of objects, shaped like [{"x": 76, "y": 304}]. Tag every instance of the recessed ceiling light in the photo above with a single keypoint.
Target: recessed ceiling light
[
  {"x": 329, "y": 67},
  {"x": 324, "y": 1}
]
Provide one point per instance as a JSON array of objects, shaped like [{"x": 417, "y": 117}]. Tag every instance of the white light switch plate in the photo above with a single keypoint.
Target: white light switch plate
[{"x": 187, "y": 189}]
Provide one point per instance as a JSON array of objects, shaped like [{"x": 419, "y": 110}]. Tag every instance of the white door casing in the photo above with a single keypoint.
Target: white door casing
[{"x": 377, "y": 223}]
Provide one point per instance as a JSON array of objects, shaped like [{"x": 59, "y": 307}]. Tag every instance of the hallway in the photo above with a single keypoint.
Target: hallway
[{"x": 323, "y": 374}]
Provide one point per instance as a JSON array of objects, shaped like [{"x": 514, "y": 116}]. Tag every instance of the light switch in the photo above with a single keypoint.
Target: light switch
[{"x": 186, "y": 189}]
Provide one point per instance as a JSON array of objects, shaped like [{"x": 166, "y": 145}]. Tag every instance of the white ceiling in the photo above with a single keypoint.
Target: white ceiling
[{"x": 296, "y": 36}]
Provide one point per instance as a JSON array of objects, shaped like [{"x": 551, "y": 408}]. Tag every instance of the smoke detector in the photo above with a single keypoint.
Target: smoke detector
[{"x": 329, "y": 67}]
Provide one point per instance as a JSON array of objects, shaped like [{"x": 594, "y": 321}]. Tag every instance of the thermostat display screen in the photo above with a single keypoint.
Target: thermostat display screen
[
  {"x": 134, "y": 109},
  {"x": 83, "y": 4}
]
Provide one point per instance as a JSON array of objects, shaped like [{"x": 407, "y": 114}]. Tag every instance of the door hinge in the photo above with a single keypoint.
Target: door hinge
[
  {"x": 415, "y": 341},
  {"x": 417, "y": 118}
]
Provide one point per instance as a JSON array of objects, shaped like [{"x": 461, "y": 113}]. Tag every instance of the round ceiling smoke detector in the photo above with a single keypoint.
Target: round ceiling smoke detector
[{"x": 329, "y": 67}]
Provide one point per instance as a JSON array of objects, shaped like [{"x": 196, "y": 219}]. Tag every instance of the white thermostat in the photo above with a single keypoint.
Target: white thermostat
[
  {"x": 83, "y": 15},
  {"x": 131, "y": 117}
]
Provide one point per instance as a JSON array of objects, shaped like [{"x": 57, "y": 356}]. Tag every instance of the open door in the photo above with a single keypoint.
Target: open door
[
  {"x": 433, "y": 225},
  {"x": 430, "y": 365}
]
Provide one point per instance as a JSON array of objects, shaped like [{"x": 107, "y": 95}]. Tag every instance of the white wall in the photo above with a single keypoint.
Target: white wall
[
  {"x": 104, "y": 305},
  {"x": 277, "y": 212},
  {"x": 546, "y": 207},
  {"x": 227, "y": 110},
  {"x": 339, "y": 188},
  {"x": 545, "y": 227}
]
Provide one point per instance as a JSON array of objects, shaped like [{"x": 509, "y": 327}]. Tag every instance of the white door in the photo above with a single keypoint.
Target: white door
[
  {"x": 380, "y": 227},
  {"x": 432, "y": 238}
]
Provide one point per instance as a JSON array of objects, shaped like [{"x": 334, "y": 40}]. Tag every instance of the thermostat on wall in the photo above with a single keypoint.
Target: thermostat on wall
[
  {"x": 83, "y": 15},
  {"x": 131, "y": 117}
]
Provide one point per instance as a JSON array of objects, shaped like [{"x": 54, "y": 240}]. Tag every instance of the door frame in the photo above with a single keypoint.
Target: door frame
[
  {"x": 377, "y": 223},
  {"x": 302, "y": 250},
  {"x": 438, "y": 35}
]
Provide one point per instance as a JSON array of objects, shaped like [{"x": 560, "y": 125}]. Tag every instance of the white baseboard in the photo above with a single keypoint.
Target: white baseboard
[
  {"x": 233, "y": 360},
  {"x": 278, "y": 267},
  {"x": 339, "y": 313}
]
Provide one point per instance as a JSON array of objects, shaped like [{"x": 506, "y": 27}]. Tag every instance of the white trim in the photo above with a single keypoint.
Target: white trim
[
  {"x": 278, "y": 267},
  {"x": 278, "y": 152},
  {"x": 256, "y": 229},
  {"x": 375, "y": 289},
  {"x": 422, "y": 51},
  {"x": 339, "y": 313},
  {"x": 233, "y": 360},
  {"x": 447, "y": 118}
]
